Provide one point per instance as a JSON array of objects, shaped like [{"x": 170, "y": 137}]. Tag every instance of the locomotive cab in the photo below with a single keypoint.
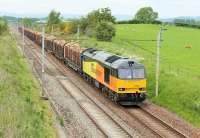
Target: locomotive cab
[{"x": 130, "y": 82}]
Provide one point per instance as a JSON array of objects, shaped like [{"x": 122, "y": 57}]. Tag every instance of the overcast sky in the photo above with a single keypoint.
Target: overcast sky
[{"x": 166, "y": 8}]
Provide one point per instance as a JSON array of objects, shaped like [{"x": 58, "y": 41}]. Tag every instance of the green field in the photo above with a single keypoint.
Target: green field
[
  {"x": 22, "y": 113},
  {"x": 179, "y": 70}
]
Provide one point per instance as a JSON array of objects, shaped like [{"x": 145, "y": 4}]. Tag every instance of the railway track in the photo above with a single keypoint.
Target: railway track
[
  {"x": 147, "y": 120},
  {"x": 169, "y": 127},
  {"x": 98, "y": 114},
  {"x": 156, "y": 125}
]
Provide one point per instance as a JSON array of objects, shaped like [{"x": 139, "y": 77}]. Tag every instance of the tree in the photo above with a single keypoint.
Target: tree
[
  {"x": 100, "y": 15},
  {"x": 105, "y": 31},
  {"x": 53, "y": 19},
  {"x": 146, "y": 15},
  {"x": 27, "y": 22},
  {"x": 82, "y": 23},
  {"x": 96, "y": 17},
  {"x": 94, "y": 21}
]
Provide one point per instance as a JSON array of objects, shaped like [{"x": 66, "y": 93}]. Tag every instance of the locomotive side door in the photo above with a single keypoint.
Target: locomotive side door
[{"x": 106, "y": 75}]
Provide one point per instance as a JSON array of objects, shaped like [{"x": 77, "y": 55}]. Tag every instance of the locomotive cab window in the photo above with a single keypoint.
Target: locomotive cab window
[
  {"x": 125, "y": 73},
  {"x": 138, "y": 73},
  {"x": 131, "y": 73}
]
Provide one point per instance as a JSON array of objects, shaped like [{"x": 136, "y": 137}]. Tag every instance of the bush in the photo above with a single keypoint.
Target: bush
[
  {"x": 3, "y": 26},
  {"x": 105, "y": 31},
  {"x": 66, "y": 27}
]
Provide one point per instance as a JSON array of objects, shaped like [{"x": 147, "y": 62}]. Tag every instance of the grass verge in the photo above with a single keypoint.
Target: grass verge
[{"x": 22, "y": 113}]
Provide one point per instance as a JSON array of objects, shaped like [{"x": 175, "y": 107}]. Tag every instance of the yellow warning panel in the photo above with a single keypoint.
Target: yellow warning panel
[{"x": 89, "y": 67}]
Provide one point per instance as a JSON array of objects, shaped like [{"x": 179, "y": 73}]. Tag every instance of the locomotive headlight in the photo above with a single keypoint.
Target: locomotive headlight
[
  {"x": 121, "y": 89},
  {"x": 142, "y": 89}
]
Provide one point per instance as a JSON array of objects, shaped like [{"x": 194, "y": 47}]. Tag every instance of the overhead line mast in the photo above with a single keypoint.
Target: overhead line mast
[{"x": 159, "y": 39}]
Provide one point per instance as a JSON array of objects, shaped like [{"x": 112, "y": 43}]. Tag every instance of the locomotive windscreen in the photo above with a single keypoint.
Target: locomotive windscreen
[
  {"x": 138, "y": 73},
  {"x": 131, "y": 73},
  {"x": 125, "y": 73}
]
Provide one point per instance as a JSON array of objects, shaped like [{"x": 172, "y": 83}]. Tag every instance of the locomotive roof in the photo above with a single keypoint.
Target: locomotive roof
[
  {"x": 111, "y": 60},
  {"x": 124, "y": 63}
]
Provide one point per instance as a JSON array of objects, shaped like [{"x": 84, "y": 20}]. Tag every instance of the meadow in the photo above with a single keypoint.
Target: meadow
[
  {"x": 179, "y": 87},
  {"x": 22, "y": 112}
]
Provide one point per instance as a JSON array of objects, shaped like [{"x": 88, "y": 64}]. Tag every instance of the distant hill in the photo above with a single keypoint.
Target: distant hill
[
  {"x": 10, "y": 18},
  {"x": 65, "y": 16},
  {"x": 15, "y": 19},
  {"x": 196, "y": 18},
  {"x": 122, "y": 17}
]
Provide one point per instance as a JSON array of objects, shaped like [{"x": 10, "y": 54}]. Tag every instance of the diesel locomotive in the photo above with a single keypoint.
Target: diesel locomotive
[{"x": 123, "y": 79}]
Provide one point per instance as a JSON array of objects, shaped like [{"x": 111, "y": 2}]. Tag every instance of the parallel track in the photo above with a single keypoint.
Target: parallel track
[
  {"x": 156, "y": 125},
  {"x": 170, "y": 128}
]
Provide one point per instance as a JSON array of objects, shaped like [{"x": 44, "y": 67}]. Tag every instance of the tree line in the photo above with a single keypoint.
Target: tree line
[
  {"x": 187, "y": 23},
  {"x": 99, "y": 23}
]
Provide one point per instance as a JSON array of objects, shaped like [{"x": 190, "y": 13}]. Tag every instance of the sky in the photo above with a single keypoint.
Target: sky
[{"x": 38, "y": 8}]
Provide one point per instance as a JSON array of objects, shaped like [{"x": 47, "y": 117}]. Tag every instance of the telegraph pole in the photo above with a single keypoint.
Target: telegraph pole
[
  {"x": 159, "y": 39},
  {"x": 43, "y": 58},
  {"x": 17, "y": 26},
  {"x": 52, "y": 29},
  {"x": 23, "y": 41},
  {"x": 78, "y": 32}
]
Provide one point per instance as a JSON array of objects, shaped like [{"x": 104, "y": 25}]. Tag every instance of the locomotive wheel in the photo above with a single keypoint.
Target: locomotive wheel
[
  {"x": 96, "y": 84},
  {"x": 116, "y": 97},
  {"x": 103, "y": 89},
  {"x": 110, "y": 95}
]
